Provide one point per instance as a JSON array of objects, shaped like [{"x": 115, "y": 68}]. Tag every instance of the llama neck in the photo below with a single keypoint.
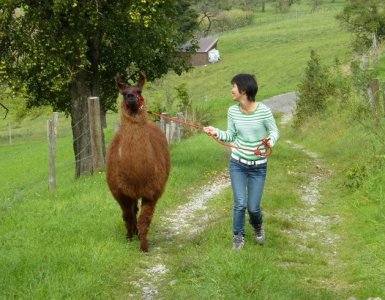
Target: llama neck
[
  {"x": 134, "y": 131},
  {"x": 135, "y": 147}
]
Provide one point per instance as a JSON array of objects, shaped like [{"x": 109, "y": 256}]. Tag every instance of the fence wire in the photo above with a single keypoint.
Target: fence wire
[{"x": 21, "y": 180}]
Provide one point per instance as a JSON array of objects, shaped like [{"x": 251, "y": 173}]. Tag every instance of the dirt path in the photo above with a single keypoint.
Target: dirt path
[
  {"x": 315, "y": 226},
  {"x": 176, "y": 222}
]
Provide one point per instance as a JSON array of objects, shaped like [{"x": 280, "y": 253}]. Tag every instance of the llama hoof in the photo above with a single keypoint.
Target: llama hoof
[
  {"x": 144, "y": 247},
  {"x": 130, "y": 235}
]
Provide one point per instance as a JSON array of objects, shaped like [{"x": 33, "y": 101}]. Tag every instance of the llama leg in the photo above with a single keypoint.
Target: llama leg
[
  {"x": 134, "y": 211},
  {"x": 144, "y": 221},
  {"x": 130, "y": 209}
]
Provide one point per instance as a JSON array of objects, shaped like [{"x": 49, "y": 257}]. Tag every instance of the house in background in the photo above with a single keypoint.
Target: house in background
[{"x": 202, "y": 55}]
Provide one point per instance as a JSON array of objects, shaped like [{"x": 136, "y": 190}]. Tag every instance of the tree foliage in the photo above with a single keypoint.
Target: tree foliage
[
  {"x": 59, "y": 52},
  {"x": 364, "y": 18},
  {"x": 313, "y": 91},
  {"x": 46, "y": 44}
]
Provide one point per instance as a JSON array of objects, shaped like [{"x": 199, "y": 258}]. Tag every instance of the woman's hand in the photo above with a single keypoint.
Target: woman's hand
[
  {"x": 210, "y": 130},
  {"x": 266, "y": 142}
]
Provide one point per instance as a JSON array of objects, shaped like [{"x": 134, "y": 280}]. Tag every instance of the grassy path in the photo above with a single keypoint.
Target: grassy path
[
  {"x": 315, "y": 234},
  {"x": 178, "y": 222}
]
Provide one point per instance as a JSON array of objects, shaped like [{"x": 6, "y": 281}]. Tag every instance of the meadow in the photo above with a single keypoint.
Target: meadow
[{"x": 70, "y": 243}]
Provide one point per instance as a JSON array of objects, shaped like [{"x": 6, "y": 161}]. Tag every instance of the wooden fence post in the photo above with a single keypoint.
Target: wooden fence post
[
  {"x": 375, "y": 93},
  {"x": 172, "y": 130},
  {"x": 168, "y": 133},
  {"x": 10, "y": 133},
  {"x": 365, "y": 62},
  {"x": 383, "y": 97},
  {"x": 179, "y": 127},
  {"x": 52, "y": 135},
  {"x": 163, "y": 122},
  {"x": 375, "y": 48},
  {"x": 95, "y": 134}
]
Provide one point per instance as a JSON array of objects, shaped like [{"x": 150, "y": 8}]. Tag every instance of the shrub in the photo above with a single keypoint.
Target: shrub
[
  {"x": 355, "y": 177},
  {"x": 313, "y": 91},
  {"x": 196, "y": 115},
  {"x": 181, "y": 102}
]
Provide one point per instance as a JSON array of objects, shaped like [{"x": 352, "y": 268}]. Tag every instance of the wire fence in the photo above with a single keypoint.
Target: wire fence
[
  {"x": 24, "y": 157},
  {"x": 25, "y": 168}
]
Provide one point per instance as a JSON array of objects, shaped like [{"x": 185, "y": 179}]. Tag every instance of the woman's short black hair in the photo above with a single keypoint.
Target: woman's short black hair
[{"x": 246, "y": 83}]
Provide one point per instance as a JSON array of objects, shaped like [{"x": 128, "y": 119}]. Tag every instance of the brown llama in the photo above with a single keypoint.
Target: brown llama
[{"x": 138, "y": 162}]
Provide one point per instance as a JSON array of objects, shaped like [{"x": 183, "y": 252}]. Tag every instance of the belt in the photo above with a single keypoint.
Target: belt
[{"x": 249, "y": 162}]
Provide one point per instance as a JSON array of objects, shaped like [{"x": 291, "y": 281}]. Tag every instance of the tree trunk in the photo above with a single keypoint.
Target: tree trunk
[
  {"x": 94, "y": 55},
  {"x": 80, "y": 125}
]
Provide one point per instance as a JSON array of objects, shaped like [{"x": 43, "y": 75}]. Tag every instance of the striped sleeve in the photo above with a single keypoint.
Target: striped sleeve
[
  {"x": 230, "y": 134},
  {"x": 272, "y": 129}
]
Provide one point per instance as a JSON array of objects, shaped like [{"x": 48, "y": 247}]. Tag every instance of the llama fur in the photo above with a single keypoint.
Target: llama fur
[{"x": 137, "y": 162}]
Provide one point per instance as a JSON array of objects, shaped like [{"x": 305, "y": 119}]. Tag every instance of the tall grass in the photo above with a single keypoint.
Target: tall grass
[
  {"x": 352, "y": 144},
  {"x": 347, "y": 148}
]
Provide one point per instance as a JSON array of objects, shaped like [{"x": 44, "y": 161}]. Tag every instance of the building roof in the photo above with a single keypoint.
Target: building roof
[{"x": 204, "y": 44}]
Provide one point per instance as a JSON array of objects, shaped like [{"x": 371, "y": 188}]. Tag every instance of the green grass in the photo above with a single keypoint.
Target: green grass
[
  {"x": 208, "y": 268},
  {"x": 346, "y": 146},
  {"x": 70, "y": 243}
]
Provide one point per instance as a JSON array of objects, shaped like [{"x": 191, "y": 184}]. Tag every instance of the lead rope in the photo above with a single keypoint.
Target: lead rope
[{"x": 265, "y": 142}]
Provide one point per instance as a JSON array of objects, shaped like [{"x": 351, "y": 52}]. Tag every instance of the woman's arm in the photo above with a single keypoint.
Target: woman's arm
[{"x": 272, "y": 129}]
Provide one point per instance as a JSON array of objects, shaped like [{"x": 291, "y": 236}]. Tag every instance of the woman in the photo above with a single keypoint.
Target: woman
[{"x": 248, "y": 124}]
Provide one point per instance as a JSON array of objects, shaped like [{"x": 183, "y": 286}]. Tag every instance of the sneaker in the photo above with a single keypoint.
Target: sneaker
[
  {"x": 238, "y": 242},
  {"x": 259, "y": 234}
]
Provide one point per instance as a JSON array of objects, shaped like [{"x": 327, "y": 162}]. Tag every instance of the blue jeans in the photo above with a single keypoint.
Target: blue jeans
[{"x": 247, "y": 183}]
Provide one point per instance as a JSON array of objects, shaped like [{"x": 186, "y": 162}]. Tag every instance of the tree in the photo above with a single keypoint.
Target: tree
[
  {"x": 364, "y": 18},
  {"x": 207, "y": 10},
  {"x": 282, "y": 6},
  {"x": 252, "y": 5},
  {"x": 313, "y": 91},
  {"x": 59, "y": 52},
  {"x": 315, "y": 5}
]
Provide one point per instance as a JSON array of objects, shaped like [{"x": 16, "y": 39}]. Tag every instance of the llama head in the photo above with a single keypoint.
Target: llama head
[{"x": 133, "y": 100}]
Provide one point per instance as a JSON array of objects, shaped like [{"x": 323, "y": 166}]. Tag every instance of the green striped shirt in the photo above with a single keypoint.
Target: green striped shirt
[{"x": 248, "y": 129}]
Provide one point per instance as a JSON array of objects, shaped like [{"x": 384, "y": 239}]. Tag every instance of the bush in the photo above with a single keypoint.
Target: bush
[
  {"x": 355, "y": 177},
  {"x": 181, "y": 103},
  {"x": 313, "y": 91}
]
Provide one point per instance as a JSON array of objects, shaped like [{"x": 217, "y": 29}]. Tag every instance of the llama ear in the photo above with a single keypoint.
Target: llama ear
[
  {"x": 120, "y": 84},
  {"x": 142, "y": 80}
]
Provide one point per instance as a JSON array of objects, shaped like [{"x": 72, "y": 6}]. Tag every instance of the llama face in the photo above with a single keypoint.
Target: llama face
[{"x": 133, "y": 100}]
